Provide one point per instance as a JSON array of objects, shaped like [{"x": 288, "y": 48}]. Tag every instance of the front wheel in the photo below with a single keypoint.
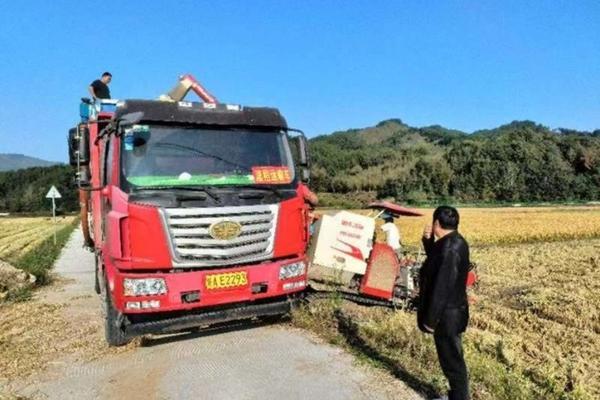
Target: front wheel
[
  {"x": 115, "y": 336},
  {"x": 97, "y": 288}
]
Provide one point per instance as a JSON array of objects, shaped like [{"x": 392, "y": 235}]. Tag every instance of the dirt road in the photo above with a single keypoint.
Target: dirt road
[{"x": 249, "y": 361}]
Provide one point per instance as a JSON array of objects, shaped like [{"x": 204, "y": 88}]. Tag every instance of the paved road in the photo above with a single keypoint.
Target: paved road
[{"x": 239, "y": 362}]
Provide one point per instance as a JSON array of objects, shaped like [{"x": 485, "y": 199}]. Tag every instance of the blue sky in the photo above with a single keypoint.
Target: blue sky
[{"x": 328, "y": 65}]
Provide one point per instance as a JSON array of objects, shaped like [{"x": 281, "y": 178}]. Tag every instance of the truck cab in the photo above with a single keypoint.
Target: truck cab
[{"x": 193, "y": 210}]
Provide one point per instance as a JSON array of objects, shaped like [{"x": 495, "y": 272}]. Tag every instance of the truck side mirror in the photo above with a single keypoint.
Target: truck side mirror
[
  {"x": 305, "y": 175},
  {"x": 79, "y": 153},
  {"x": 303, "y": 161},
  {"x": 303, "y": 151},
  {"x": 79, "y": 150}
]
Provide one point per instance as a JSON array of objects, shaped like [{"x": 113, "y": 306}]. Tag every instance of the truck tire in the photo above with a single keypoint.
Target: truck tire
[
  {"x": 96, "y": 279},
  {"x": 115, "y": 336}
]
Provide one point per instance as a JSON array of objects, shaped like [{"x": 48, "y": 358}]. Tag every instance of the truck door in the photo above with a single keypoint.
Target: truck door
[{"x": 106, "y": 173}]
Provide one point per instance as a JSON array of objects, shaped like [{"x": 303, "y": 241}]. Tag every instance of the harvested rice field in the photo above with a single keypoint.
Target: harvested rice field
[
  {"x": 18, "y": 235},
  {"x": 535, "y": 319}
]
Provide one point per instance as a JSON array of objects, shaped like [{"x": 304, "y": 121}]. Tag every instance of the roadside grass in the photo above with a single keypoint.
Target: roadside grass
[
  {"x": 39, "y": 260},
  {"x": 11, "y": 396},
  {"x": 23, "y": 345},
  {"x": 19, "y": 234},
  {"x": 19, "y": 294},
  {"x": 34, "y": 333}
]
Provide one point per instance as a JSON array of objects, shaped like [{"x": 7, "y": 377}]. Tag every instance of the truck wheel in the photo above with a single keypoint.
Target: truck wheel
[
  {"x": 115, "y": 336},
  {"x": 96, "y": 279}
]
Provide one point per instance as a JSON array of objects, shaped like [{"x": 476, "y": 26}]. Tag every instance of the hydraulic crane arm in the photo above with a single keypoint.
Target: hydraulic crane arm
[{"x": 186, "y": 83}]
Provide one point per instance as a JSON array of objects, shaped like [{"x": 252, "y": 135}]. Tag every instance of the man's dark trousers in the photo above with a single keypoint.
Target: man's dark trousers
[
  {"x": 444, "y": 308},
  {"x": 450, "y": 354}
]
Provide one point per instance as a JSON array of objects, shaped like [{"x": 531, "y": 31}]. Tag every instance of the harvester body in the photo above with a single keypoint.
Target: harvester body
[{"x": 344, "y": 253}]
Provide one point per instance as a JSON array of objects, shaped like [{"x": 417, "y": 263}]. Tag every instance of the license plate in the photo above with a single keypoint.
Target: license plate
[{"x": 226, "y": 280}]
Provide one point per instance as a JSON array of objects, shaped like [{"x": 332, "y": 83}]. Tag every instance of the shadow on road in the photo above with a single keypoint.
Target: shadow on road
[
  {"x": 217, "y": 329},
  {"x": 349, "y": 330}
]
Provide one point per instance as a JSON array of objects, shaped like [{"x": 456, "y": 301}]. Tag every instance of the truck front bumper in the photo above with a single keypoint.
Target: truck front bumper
[
  {"x": 155, "y": 323},
  {"x": 263, "y": 282}
]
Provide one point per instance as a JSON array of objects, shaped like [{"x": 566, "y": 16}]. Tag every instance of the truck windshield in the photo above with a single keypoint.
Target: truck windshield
[{"x": 159, "y": 156}]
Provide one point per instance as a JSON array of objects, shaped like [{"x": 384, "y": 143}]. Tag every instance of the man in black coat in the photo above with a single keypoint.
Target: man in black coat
[{"x": 443, "y": 306}]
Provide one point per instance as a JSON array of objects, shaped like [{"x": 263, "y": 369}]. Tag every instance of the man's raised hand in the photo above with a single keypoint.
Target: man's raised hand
[{"x": 427, "y": 231}]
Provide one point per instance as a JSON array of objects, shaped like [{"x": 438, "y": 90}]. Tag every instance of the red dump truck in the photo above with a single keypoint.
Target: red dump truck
[{"x": 193, "y": 210}]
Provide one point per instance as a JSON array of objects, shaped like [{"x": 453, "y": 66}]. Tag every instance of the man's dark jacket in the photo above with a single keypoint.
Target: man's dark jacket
[{"x": 443, "y": 303}]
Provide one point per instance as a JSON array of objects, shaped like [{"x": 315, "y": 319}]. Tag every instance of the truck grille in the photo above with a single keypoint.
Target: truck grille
[{"x": 192, "y": 244}]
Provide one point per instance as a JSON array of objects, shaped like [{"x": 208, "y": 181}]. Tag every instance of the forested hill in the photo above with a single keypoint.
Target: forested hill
[
  {"x": 10, "y": 162},
  {"x": 24, "y": 190},
  {"x": 520, "y": 161}
]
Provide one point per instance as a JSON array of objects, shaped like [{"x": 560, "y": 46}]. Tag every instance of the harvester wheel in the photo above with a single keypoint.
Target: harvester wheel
[{"x": 115, "y": 336}]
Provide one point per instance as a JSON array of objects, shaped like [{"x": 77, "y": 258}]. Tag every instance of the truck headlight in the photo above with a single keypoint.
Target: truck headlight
[
  {"x": 292, "y": 270},
  {"x": 144, "y": 286}
]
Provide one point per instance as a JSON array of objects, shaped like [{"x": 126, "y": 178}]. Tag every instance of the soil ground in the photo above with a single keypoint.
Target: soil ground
[{"x": 238, "y": 361}]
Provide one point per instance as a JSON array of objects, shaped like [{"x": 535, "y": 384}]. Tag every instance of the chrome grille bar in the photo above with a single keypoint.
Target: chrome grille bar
[
  {"x": 206, "y": 221},
  {"x": 194, "y": 232},
  {"x": 210, "y": 242},
  {"x": 193, "y": 246}
]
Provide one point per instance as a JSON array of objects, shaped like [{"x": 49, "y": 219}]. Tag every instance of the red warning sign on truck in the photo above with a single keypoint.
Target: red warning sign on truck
[{"x": 271, "y": 175}]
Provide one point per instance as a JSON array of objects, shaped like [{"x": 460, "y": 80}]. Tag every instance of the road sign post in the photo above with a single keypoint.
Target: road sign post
[{"x": 53, "y": 194}]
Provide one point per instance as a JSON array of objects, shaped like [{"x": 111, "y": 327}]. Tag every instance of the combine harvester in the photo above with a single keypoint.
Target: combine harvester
[
  {"x": 196, "y": 215},
  {"x": 345, "y": 257}
]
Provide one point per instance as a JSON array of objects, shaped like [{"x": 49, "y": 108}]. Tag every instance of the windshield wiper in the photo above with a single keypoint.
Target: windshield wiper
[
  {"x": 206, "y": 190},
  {"x": 273, "y": 190},
  {"x": 209, "y": 192},
  {"x": 202, "y": 153}
]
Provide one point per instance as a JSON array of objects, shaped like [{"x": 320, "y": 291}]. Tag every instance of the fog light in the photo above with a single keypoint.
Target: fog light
[
  {"x": 190, "y": 297},
  {"x": 150, "y": 304},
  {"x": 292, "y": 270},
  {"x": 132, "y": 305},
  {"x": 144, "y": 287},
  {"x": 260, "y": 287},
  {"x": 294, "y": 285}
]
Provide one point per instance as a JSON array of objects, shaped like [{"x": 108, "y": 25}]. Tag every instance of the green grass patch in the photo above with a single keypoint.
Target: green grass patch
[
  {"x": 39, "y": 260},
  {"x": 19, "y": 294}
]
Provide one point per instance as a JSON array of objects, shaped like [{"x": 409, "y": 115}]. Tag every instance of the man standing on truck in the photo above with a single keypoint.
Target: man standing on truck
[
  {"x": 99, "y": 88},
  {"x": 443, "y": 306}
]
